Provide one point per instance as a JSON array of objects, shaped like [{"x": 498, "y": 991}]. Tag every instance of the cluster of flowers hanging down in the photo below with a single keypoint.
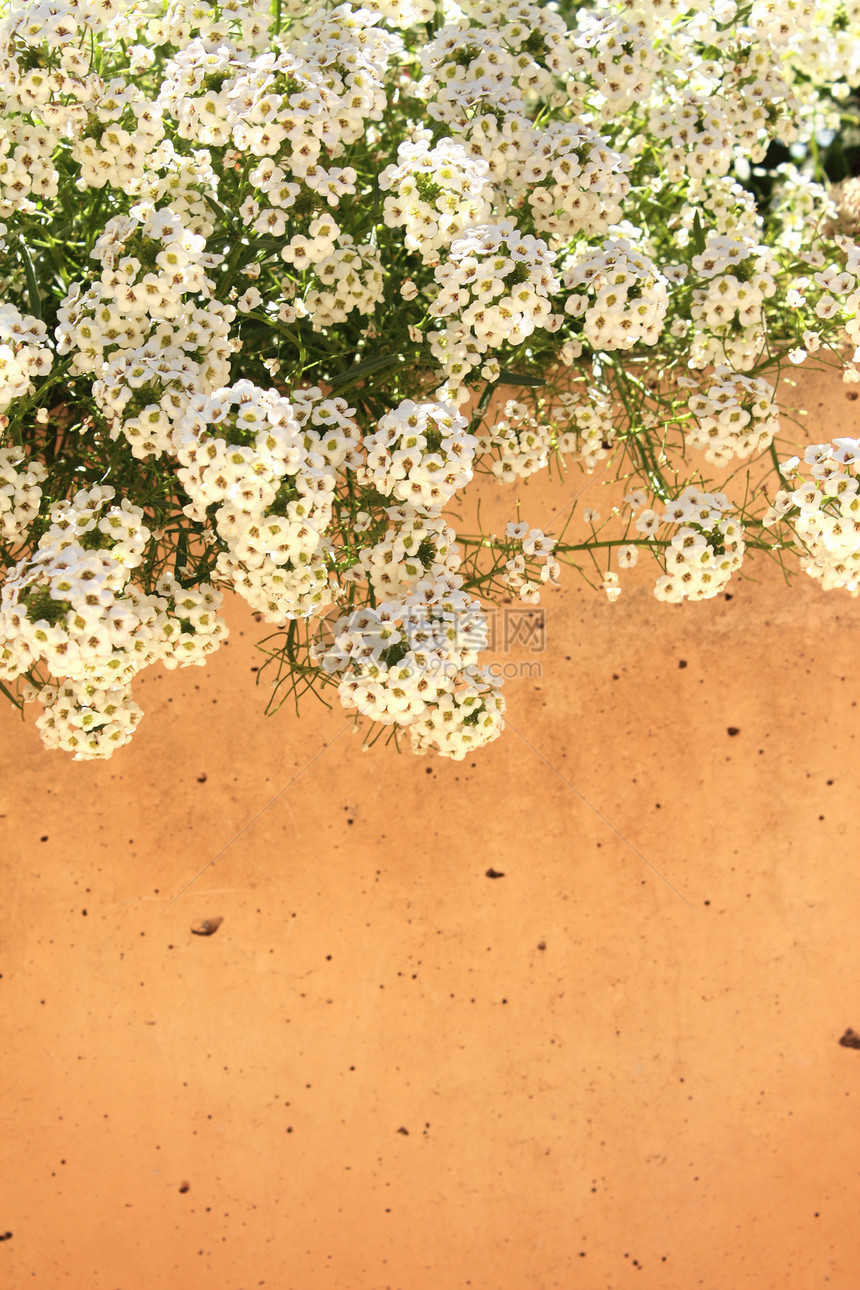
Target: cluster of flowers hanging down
[{"x": 279, "y": 281}]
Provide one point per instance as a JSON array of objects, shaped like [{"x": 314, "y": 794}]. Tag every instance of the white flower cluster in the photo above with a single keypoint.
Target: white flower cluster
[
  {"x": 415, "y": 547},
  {"x": 23, "y": 354},
  {"x": 149, "y": 350},
  {"x": 88, "y": 720},
  {"x": 615, "y": 60},
  {"x": 149, "y": 261},
  {"x": 195, "y": 88},
  {"x": 420, "y": 453},
  {"x": 824, "y": 511},
  {"x": 800, "y": 205},
  {"x": 280, "y": 591},
  {"x": 108, "y": 152},
  {"x": 351, "y": 279},
  {"x": 57, "y": 87},
  {"x": 179, "y": 180},
  {"x": 462, "y": 720},
  {"x": 27, "y": 170},
  {"x": 21, "y": 482},
  {"x": 305, "y": 105},
  {"x": 826, "y": 39},
  {"x": 520, "y": 442},
  {"x": 439, "y": 192},
  {"x": 702, "y": 129},
  {"x": 406, "y": 662},
  {"x": 302, "y": 251},
  {"x": 496, "y": 284},
  {"x": 737, "y": 416},
  {"x": 574, "y": 182},
  {"x": 706, "y": 550},
  {"x": 731, "y": 211},
  {"x": 188, "y": 621},
  {"x": 630, "y": 295},
  {"x": 528, "y": 572},
  {"x": 728, "y": 312},
  {"x": 577, "y": 182},
  {"x": 72, "y": 608},
  {"x": 586, "y": 430},
  {"x": 242, "y": 454},
  {"x": 839, "y": 296},
  {"x": 329, "y": 427},
  {"x": 403, "y": 14},
  {"x": 234, "y": 448},
  {"x": 487, "y": 56}
]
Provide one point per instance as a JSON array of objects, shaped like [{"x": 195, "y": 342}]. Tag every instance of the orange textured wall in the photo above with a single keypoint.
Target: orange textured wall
[{"x": 388, "y": 1071}]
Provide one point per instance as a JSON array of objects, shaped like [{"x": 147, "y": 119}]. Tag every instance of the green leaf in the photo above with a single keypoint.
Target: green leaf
[
  {"x": 13, "y": 699},
  {"x": 32, "y": 284},
  {"x": 226, "y": 215},
  {"x": 484, "y": 401},
  {"x": 698, "y": 234},
  {"x": 362, "y": 369},
  {"x": 518, "y": 378},
  {"x": 181, "y": 555}
]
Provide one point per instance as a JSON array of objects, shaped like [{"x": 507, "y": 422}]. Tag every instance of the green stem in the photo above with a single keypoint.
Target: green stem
[{"x": 564, "y": 547}]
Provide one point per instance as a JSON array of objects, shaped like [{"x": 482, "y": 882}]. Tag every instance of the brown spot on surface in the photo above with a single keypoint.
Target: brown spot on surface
[{"x": 207, "y": 927}]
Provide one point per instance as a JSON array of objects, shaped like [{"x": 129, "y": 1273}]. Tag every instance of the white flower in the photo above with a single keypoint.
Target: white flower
[
  {"x": 647, "y": 523},
  {"x": 250, "y": 299}
]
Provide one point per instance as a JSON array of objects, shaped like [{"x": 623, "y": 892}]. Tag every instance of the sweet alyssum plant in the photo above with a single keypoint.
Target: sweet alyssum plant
[{"x": 264, "y": 267}]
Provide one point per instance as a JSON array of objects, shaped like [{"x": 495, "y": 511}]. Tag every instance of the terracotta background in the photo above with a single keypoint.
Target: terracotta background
[{"x": 387, "y": 1071}]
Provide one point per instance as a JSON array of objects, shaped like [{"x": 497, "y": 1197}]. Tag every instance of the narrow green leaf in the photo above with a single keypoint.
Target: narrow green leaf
[
  {"x": 181, "y": 555},
  {"x": 698, "y": 234},
  {"x": 484, "y": 401},
  {"x": 226, "y": 216},
  {"x": 362, "y": 369},
  {"x": 13, "y": 698},
  {"x": 32, "y": 284},
  {"x": 518, "y": 378}
]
